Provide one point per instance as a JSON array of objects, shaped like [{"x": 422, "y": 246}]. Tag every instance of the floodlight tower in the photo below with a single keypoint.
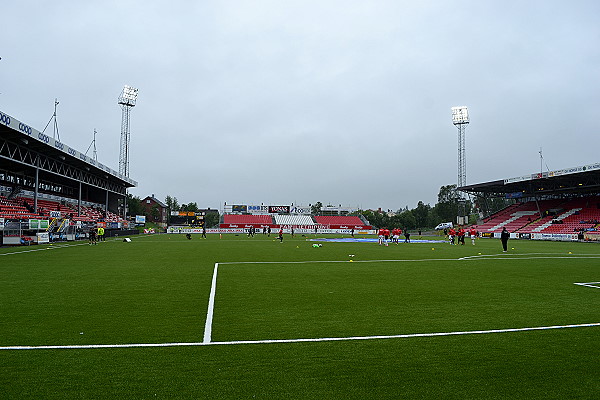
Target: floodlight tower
[
  {"x": 460, "y": 119},
  {"x": 127, "y": 101}
]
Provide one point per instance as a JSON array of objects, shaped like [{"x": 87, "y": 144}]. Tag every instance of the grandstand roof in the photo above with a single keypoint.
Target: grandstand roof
[
  {"x": 21, "y": 146},
  {"x": 570, "y": 181}
]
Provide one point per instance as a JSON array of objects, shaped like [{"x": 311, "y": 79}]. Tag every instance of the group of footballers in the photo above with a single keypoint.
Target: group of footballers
[
  {"x": 95, "y": 235},
  {"x": 384, "y": 235},
  {"x": 455, "y": 236},
  {"x": 458, "y": 236}
]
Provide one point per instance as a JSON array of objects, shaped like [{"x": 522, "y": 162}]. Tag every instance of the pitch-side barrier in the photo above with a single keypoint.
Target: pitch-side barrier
[{"x": 298, "y": 231}]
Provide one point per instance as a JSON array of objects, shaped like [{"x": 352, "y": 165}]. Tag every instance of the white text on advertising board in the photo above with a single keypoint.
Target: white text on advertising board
[{"x": 279, "y": 209}]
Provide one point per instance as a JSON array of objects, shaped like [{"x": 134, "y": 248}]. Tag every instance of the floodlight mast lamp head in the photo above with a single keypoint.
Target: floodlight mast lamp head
[
  {"x": 128, "y": 96},
  {"x": 460, "y": 115}
]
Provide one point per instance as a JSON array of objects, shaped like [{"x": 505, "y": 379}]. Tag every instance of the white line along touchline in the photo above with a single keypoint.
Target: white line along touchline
[{"x": 274, "y": 341}]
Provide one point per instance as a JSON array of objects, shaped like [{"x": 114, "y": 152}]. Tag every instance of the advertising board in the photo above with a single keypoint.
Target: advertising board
[
  {"x": 239, "y": 208},
  {"x": 279, "y": 209},
  {"x": 43, "y": 237},
  {"x": 562, "y": 237}
]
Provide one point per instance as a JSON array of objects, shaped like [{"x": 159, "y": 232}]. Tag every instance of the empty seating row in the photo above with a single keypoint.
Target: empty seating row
[
  {"x": 281, "y": 219},
  {"x": 14, "y": 209},
  {"x": 512, "y": 217},
  {"x": 558, "y": 216},
  {"x": 247, "y": 219}
]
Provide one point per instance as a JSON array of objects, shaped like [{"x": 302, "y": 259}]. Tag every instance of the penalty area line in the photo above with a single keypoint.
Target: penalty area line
[
  {"x": 309, "y": 340},
  {"x": 211, "y": 306}
]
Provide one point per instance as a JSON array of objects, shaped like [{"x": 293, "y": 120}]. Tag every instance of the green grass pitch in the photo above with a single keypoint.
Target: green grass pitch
[{"x": 291, "y": 321}]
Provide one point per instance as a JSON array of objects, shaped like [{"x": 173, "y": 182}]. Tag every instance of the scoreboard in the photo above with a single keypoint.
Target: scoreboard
[{"x": 188, "y": 218}]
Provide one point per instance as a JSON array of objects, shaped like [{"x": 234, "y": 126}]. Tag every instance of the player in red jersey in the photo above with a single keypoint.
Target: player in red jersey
[
  {"x": 451, "y": 235},
  {"x": 386, "y": 234},
  {"x": 381, "y": 236},
  {"x": 395, "y": 235},
  {"x": 461, "y": 236},
  {"x": 473, "y": 234}
]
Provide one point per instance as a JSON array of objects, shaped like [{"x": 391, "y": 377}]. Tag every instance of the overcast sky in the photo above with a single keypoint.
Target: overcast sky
[{"x": 281, "y": 102}]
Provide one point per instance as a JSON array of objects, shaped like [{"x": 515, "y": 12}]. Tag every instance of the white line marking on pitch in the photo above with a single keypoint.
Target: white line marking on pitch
[
  {"x": 313, "y": 340},
  {"x": 334, "y": 261},
  {"x": 211, "y": 302},
  {"x": 527, "y": 256},
  {"x": 211, "y": 306},
  {"x": 589, "y": 284},
  {"x": 60, "y": 246},
  {"x": 499, "y": 256}
]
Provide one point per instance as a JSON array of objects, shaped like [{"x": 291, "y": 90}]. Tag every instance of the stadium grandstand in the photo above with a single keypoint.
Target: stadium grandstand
[
  {"x": 50, "y": 191},
  {"x": 297, "y": 217},
  {"x": 552, "y": 205}
]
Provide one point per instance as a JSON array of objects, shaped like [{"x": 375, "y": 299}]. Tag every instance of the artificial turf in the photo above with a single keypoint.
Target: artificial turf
[{"x": 156, "y": 290}]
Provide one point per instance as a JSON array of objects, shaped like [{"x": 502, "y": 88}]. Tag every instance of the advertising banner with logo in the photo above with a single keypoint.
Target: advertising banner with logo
[
  {"x": 256, "y": 209},
  {"x": 140, "y": 219},
  {"x": 38, "y": 224},
  {"x": 497, "y": 235},
  {"x": 279, "y": 209},
  {"x": 286, "y": 230},
  {"x": 592, "y": 236},
  {"x": 239, "y": 208},
  {"x": 300, "y": 210},
  {"x": 561, "y": 237},
  {"x": 43, "y": 237},
  {"x": 246, "y": 226}
]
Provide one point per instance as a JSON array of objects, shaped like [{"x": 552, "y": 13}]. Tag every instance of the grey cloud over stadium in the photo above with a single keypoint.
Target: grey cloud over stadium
[{"x": 304, "y": 101}]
